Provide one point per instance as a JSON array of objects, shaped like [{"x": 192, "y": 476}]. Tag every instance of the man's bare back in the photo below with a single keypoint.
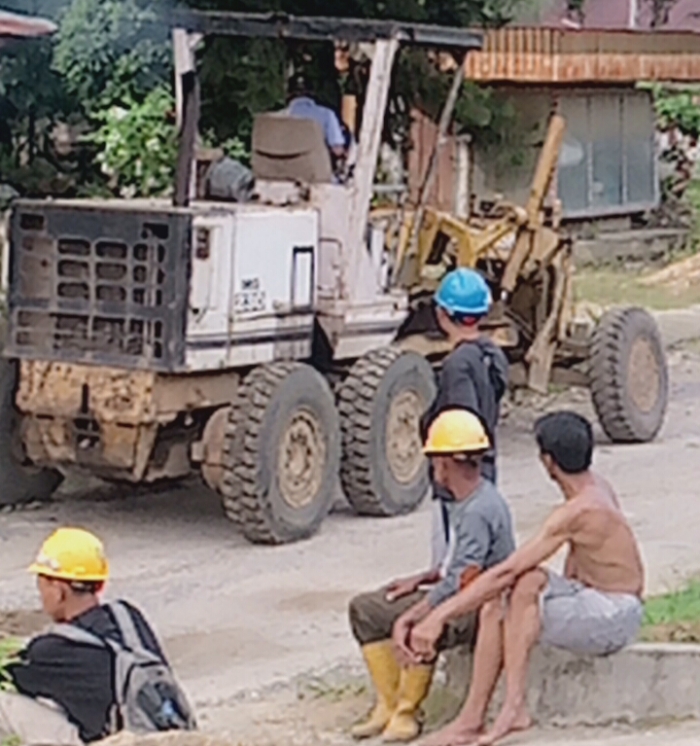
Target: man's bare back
[{"x": 603, "y": 552}]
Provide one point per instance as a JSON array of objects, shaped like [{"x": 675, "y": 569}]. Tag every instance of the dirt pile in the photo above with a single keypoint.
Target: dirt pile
[{"x": 678, "y": 276}]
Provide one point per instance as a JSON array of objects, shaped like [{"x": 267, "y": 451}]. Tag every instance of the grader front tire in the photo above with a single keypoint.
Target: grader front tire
[{"x": 629, "y": 375}]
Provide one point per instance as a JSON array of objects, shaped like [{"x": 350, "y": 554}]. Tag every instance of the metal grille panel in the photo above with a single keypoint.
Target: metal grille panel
[{"x": 99, "y": 285}]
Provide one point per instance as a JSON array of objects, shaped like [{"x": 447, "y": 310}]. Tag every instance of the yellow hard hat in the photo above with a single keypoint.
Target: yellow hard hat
[
  {"x": 456, "y": 431},
  {"x": 72, "y": 554}
]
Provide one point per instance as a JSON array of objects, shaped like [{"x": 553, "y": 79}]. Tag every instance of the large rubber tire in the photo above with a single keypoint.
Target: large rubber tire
[
  {"x": 629, "y": 375},
  {"x": 282, "y": 408},
  {"x": 383, "y": 471},
  {"x": 19, "y": 484}
]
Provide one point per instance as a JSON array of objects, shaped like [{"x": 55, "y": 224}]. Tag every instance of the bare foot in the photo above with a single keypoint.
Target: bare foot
[
  {"x": 510, "y": 720},
  {"x": 454, "y": 734}
]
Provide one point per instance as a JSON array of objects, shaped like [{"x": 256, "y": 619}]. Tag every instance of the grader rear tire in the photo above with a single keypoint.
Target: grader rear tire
[
  {"x": 282, "y": 458},
  {"x": 19, "y": 484},
  {"x": 629, "y": 375},
  {"x": 383, "y": 471}
]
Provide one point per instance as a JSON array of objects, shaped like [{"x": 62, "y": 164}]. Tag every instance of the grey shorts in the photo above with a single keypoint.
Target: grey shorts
[{"x": 585, "y": 621}]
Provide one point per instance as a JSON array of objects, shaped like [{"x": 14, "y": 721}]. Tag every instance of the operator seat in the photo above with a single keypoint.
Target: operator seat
[{"x": 290, "y": 149}]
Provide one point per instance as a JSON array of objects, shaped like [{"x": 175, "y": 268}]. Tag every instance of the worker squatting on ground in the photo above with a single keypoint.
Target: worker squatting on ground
[
  {"x": 67, "y": 678},
  {"x": 481, "y": 535},
  {"x": 595, "y": 609}
]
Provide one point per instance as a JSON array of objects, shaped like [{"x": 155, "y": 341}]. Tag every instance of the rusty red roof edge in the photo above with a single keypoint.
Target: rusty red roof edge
[{"x": 546, "y": 55}]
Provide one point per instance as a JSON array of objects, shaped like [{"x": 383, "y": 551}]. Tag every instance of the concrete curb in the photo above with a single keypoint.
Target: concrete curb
[{"x": 645, "y": 683}]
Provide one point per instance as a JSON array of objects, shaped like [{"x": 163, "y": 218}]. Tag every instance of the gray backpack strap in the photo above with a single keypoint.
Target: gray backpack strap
[
  {"x": 125, "y": 622},
  {"x": 77, "y": 634}
]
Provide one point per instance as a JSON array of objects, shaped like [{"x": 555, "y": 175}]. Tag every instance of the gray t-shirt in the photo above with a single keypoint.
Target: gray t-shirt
[{"x": 481, "y": 536}]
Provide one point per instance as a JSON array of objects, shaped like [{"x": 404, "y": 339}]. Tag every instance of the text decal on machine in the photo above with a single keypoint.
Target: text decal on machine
[{"x": 250, "y": 299}]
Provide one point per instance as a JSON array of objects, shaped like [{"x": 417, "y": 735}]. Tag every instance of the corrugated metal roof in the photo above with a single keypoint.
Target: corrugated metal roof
[
  {"x": 13, "y": 24},
  {"x": 544, "y": 55}
]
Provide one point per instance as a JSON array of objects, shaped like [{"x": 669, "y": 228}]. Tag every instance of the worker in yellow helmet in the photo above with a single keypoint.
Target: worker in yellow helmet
[
  {"x": 481, "y": 536},
  {"x": 77, "y": 676}
]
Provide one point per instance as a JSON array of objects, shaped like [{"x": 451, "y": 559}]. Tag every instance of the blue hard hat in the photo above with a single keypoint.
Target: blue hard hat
[{"x": 464, "y": 292}]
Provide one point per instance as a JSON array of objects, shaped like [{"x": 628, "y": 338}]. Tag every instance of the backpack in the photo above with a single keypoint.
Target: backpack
[
  {"x": 148, "y": 698},
  {"x": 498, "y": 385}
]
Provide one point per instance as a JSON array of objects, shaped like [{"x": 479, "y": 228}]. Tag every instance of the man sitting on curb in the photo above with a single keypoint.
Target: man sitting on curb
[
  {"x": 481, "y": 536},
  {"x": 595, "y": 609},
  {"x": 77, "y": 664}
]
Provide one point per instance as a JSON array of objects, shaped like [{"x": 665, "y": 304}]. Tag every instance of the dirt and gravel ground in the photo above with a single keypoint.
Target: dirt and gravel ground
[{"x": 237, "y": 618}]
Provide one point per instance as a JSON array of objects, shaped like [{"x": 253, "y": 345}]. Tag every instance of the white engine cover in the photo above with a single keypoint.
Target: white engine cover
[{"x": 253, "y": 286}]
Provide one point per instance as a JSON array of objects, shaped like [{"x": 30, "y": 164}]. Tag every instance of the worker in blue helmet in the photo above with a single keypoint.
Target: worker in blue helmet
[{"x": 475, "y": 374}]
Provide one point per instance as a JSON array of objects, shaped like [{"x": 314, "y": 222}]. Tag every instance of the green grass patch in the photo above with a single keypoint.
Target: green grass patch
[{"x": 679, "y": 607}]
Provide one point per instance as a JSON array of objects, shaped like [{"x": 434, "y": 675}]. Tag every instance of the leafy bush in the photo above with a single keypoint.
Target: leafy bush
[{"x": 138, "y": 145}]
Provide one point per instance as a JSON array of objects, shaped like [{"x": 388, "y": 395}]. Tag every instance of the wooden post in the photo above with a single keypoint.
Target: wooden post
[
  {"x": 368, "y": 151},
  {"x": 429, "y": 178},
  {"x": 183, "y": 47}
]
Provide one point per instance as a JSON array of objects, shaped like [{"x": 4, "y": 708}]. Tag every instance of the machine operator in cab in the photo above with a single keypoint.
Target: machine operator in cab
[{"x": 301, "y": 104}]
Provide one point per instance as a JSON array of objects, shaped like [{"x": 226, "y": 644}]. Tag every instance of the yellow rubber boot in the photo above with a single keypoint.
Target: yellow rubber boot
[
  {"x": 414, "y": 686},
  {"x": 385, "y": 673}
]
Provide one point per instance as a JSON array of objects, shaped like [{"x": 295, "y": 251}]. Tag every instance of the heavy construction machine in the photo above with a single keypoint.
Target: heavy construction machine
[
  {"x": 528, "y": 262},
  {"x": 281, "y": 348}
]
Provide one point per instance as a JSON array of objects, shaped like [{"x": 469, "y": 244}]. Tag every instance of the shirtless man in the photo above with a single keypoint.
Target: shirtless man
[{"x": 595, "y": 609}]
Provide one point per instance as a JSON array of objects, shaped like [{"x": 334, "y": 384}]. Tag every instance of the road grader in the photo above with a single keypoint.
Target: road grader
[{"x": 284, "y": 348}]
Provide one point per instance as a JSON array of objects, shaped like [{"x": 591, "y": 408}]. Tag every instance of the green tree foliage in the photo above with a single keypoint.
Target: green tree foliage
[
  {"x": 44, "y": 8},
  {"x": 443, "y": 12},
  {"x": 112, "y": 50},
  {"x": 480, "y": 111},
  {"x": 32, "y": 100},
  {"x": 239, "y": 79},
  {"x": 243, "y": 77},
  {"x": 29, "y": 90},
  {"x": 111, "y": 64},
  {"x": 677, "y": 109}
]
